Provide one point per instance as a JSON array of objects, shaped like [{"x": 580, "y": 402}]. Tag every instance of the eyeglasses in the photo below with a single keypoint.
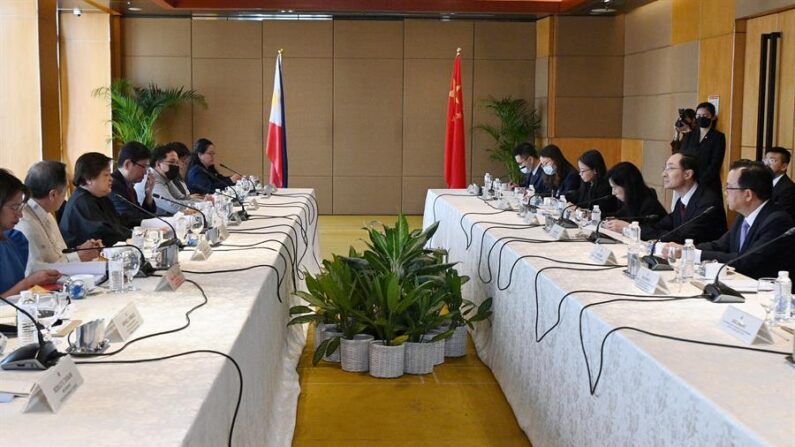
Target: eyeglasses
[
  {"x": 582, "y": 171},
  {"x": 670, "y": 168},
  {"x": 17, "y": 207},
  {"x": 141, "y": 166}
]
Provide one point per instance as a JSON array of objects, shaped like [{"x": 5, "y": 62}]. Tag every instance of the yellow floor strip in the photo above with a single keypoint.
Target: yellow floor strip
[{"x": 460, "y": 404}]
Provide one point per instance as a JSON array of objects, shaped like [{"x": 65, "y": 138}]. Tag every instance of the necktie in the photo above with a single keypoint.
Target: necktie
[
  {"x": 682, "y": 209},
  {"x": 744, "y": 233}
]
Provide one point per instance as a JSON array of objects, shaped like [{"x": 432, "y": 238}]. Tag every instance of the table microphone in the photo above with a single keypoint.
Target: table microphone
[
  {"x": 204, "y": 219},
  {"x": 146, "y": 268},
  {"x": 147, "y": 212},
  {"x": 34, "y": 356},
  {"x": 568, "y": 223},
  {"x": 718, "y": 292},
  {"x": 658, "y": 263},
  {"x": 243, "y": 212},
  {"x": 230, "y": 169},
  {"x": 597, "y": 238}
]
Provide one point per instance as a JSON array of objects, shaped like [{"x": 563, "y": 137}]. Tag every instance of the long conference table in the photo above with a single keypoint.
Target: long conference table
[
  {"x": 190, "y": 400},
  {"x": 652, "y": 391}
]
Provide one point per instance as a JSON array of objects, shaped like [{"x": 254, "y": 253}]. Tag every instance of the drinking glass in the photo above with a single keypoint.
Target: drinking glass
[
  {"x": 49, "y": 309},
  {"x": 151, "y": 240},
  {"x": 132, "y": 263},
  {"x": 765, "y": 288},
  {"x": 673, "y": 261}
]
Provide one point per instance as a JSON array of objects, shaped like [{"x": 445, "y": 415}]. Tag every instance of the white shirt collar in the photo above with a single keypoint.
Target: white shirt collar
[
  {"x": 40, "y": 212},
  {"x": 752, "y": 217},
  {"x": 688, "y": 195},
  {"x": 538, "y": 165},
  {"x": 775, "y": 180}
]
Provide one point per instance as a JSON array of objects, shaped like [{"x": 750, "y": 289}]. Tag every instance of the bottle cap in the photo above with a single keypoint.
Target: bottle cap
[
  {"x": 688, "y": 241},
  {"x": 783, "y": 274}
]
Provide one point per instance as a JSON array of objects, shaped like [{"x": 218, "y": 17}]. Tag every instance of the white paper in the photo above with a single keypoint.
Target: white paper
[
  {"x": 16, "y": 387},
  {"x": 741, "y": 285},
  {"x": 96, "y": 268}
]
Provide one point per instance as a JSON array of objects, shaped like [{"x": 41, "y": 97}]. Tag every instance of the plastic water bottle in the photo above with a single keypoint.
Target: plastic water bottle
[
  {"x": 688, "y": 260},
  {"x": 782, "y": 297},
  {"x": 596, "y": 215},
  {"x": 26, "y": 328},
  {"x": 116, "y": 274}
]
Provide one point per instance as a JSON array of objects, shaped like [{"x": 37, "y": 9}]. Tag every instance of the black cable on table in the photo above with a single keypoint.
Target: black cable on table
[
  {"x": 268, "y": 217},
  {"x": 508, "y": 240},
  {"x": 546, "y": 258},
  {"x": 182, "y": 354},
  {"x": 436, "y": 199},
  {"x": 294, "y": 244},
  {"x": 293, "y": 260},
  {"x": 461, "y": 221},
  {"x": 287, "y": 266},
  {"x": 242, "y": 269},
  {"x": 313, "y": 200}
]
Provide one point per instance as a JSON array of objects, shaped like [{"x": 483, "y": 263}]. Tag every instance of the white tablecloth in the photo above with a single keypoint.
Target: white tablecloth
[
  {"x": 652, "y": 391},
  {"x": 190, "y": 400}
]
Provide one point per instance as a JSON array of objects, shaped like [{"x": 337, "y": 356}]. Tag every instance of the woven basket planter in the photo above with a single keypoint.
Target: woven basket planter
[
  {"x": 456, "y": 346},
  {"x": 386, "y": 361},
  {"x": 438, "y": 346},
  {"x": 331, "y": 332},
  {"x": 355, "y": 353},
  {"x": 320, "y": 333},
  {"x": 420, "y": 358}
]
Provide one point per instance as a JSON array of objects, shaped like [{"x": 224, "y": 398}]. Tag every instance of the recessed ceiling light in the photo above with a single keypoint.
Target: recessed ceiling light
[
  {"x": 133, "y": 8},
  {"x": 602, "y": 10}
]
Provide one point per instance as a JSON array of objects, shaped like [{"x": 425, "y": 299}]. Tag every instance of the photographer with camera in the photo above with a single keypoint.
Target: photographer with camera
[{"x": 685, "y": 124}]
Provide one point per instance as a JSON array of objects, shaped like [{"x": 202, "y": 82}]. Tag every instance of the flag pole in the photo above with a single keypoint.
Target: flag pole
[{"x": 458, "y": 51}]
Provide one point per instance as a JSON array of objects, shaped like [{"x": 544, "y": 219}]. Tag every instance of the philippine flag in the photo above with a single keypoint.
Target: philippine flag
[{"x": 276, "y": 146}]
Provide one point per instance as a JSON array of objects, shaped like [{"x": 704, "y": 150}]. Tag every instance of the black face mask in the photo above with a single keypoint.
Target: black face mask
[
  {"x": 173, "y": 172},
  {"x": 704, "y": 122}
]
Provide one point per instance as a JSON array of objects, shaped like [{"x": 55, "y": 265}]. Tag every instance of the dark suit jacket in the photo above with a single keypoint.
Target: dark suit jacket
[
  {"x": 709, "y": 152},
  {"x": 203, "y": 180},
  {"x": 569, "y": 184},
  {"x": 770, "y": 223},
  {"x": 649, "y": 206},
  {"x": 707, "y": 228},
  {"x": 536, "y": 180},
  {"x": 130, "y": 216},
  {"x": 88, "y": 217},
  {"x": 591, "y": 190},
  {"x": 784, "y": 195}
]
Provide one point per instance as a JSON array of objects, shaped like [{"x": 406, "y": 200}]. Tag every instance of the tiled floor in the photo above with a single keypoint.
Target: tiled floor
[{"x": 459, "y": 404}]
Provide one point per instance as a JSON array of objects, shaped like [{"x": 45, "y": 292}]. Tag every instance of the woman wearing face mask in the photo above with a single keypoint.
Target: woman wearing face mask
[
  {"x": 13, "y": 244},
  {"x": 594, "y": 183},
  {"x": 89, "y": 213},
  {"x": 636, "y": 198},
  {"x": 560, "y": 177},
  {"x": 168, "y": 183},
  {"x": 708, "y": 146}
]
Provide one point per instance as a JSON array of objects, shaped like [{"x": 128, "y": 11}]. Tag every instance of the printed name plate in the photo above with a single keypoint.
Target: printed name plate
[
  {"x": 649, "y": 281},
  {"x": 56, "y": 385},
  {"x": 202, "y": 252},
  {"x": 171, "y": 280},
  {"x": 558, "y": 233},
  {"x": 741, "y": 324},
  {"x": 601, "y": 254},
  {"x": 122, "y": 326}
]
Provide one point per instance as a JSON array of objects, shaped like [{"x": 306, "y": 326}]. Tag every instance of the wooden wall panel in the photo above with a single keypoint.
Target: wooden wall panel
[
  {"x": 785, "y": 126},
  {"x": 20, "y": 113},
  {"x": 590, "y": 76},
  {"x": 156, "y": 37},
  {"x": 303, "y": 38},
  {"x": 368, "y": 39},
  {"x": 226, "y": 39},
  {"x": 649, "y": 27},
  {"x": 754, "y": 29},
  {"x": 429, "y": 39},
  {"x": 685, "y": 21},
  {"x": 587, "y": 36},
  {"x": 367, "y": 195},
  {"x": 85, "y": 66},
  {"x": 505, "y": 40},
  {"x": 572, "y": 148}
]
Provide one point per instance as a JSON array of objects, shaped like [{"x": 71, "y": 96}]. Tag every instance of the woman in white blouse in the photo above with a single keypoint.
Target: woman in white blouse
[{"x": 47, "y": 183}]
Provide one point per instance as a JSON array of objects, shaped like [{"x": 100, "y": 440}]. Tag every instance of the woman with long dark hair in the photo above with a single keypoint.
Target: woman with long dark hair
[
  {"x": 637, "y": 199},
  {"x": 594, "y": 184},
  {"x": 202, "y": 177},
  {"x": 560, "y": 177}
]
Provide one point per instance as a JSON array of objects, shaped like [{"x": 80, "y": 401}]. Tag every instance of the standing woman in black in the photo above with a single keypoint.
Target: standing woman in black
[
  {"x": 636, "y": 198},
  {"x": 560, "y": 177},
  {"x": 708, "y": 145},
  {"x": 594, "y": 183}
]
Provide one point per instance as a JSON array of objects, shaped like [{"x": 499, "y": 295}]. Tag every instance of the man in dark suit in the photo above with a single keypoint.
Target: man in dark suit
[
  {"x": 526, "y": 157},
  {"x": 749, "y": 187},
  {"x": 777, "y": 159},
  {"x": 132, "y": 167},
  {"x": 681, "y": 175}
]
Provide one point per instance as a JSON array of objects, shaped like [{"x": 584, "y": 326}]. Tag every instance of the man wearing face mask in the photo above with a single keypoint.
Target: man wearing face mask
[
  {"x": 526, "y": 157},
  {"x": 708, "y": 145},
  {"x": 168, "y": 183}
]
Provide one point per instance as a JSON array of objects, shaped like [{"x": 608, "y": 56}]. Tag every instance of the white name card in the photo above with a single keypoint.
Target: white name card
[
  {"x": 254, "y": 204},
  {"x": 223, "y": 232},
  {"x": 745, "y": 326},
  {"x": 171, "y": 280},
  {"x": 601, "y": 254},
  {"x": 202, "y": 252},
  {"x": 234, "y": 219},
  {"x": 56, "y": 385},
  {"x": 122, "y": 326},
  {"x": 558, "y": 233},
  {"x": 649, "y": 281}
]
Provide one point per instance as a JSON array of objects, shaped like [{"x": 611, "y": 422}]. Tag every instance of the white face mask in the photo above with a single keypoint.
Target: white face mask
[
  {"x": 549, "y": 170},
  {"x": 524, "y": 169}
]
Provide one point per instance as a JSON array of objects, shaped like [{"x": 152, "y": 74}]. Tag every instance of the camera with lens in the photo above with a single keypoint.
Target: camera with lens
[{"x": 681, "y": 121}]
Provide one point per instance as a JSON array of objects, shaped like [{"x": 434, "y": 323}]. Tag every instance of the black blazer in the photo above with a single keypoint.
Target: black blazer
[
  {"x": 130, "y": 216},
  {"x": 536, "y": 180},
  {"x": 568, "y": 185},
  {"x": 784, "y": 195},
  {"x": 88, "y": 217},
  {"x": 707, "y": 228},
  {"x": 770, "y": 223},
  {"x": 649, "y": 206},
  {"x": 591, "y": 190},
  {"x": 709, "y": 152}
]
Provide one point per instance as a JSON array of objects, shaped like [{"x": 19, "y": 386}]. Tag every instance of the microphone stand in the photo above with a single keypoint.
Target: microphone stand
[
  {"x": 34, "y": 356},
  {"x": 146, "y": 268},
  {"x": 204, "y": 219},
  {"x": 597, "y": 238},
  {"x": 243, "y": 213},
  {"x": 568, "y": 223},
  {"x": 718, "y": 292},
  {"x": 657, "y": 263}
]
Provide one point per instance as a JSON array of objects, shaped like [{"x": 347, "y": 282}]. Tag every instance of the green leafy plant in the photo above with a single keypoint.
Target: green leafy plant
[
  {"x": 518, "y": 124},
  {"x": 136, "y": 110}
]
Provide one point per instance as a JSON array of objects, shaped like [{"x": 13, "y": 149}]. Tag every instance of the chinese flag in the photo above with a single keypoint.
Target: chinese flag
[{"x": 454, "y": 146}]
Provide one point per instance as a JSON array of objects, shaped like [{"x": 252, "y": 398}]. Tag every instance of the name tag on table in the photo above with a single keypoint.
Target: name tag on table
[
  {"x": 650, "y": 281},
  {"x": 745, "y": 326},
  {"x": 558, "y": 233},
  {"x": 223, "y": 232},
  {"x": 56, "y": 385},
  {"x": 202, "y": 252},
  {"x": 171, "y": 280},
  {"x": 122, "y": 326},
  {"x": 234, "y": 219},
  {"x": 254, "y": 204},
  {"x": 601, "y": 254}
]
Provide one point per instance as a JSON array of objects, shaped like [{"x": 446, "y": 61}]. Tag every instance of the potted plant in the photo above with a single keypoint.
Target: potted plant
[
  {"x": 423, "y": 346},
  {"x": 135, "y": 110},
  {"x": 463, "y": 314},
  {"x": 518, "y": 124}
]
